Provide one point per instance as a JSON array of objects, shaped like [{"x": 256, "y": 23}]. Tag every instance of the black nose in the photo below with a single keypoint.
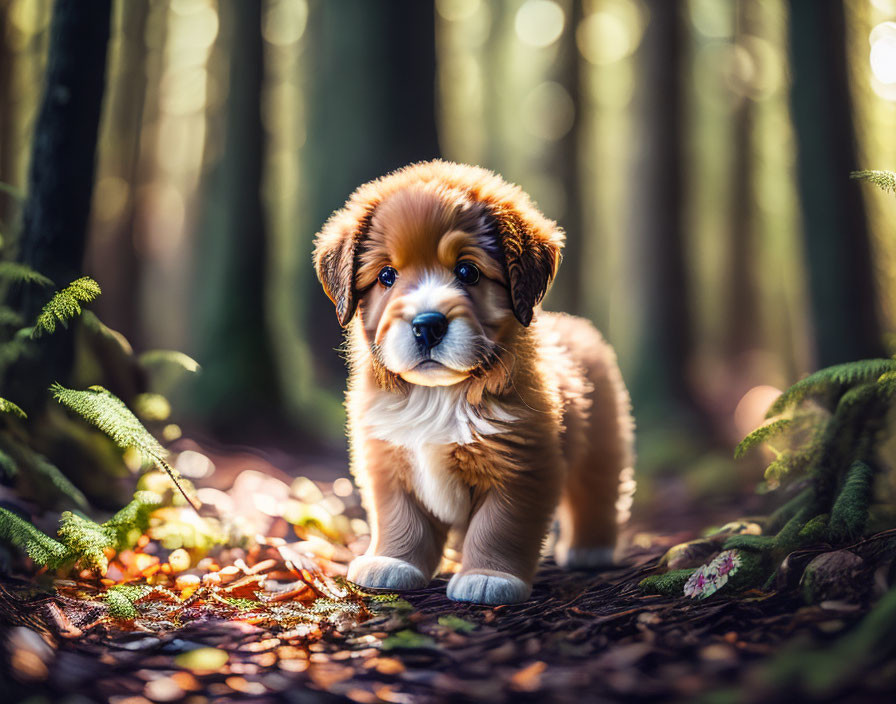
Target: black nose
[{"x": 429, "y": 328}]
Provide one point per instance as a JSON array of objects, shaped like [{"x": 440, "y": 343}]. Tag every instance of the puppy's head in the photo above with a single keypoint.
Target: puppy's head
[{"x": 441, "y": 261}]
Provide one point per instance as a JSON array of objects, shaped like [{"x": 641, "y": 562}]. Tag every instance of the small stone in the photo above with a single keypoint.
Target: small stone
[
  {"x": 834, "y": 576},
  {"x": 179, "y": 560},
  {"x": 229, "y": 573},
  {"x": 692, "y": 554}
]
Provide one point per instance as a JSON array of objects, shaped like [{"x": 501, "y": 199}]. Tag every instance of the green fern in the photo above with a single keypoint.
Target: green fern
[
  {"x": 9, "y": 318},
  {"x": 39, "y": 546},
  {"x": 80, "y": 539},
  {"x": 65, "y": 305},
  {"x": 8, "y": 466},
  {"x": 761, "y": 434},
  {"x": 85, "y": 539},
  {"x": 11, "y": 408},
  {"x": 133, "y": 520},
  {"x": 833, "y": 442},
  {"x": 121, "y": 600},
  {"x": 882, "y": 179},
  {"x": 42, "y": 467},
  {"x": 832, "y": 381},
  {"x": 109, "y": 413},
  {"x": 850, "y": 511},
  {"x": 789, "y": 463},
  {"x": 15, "y": 272}
]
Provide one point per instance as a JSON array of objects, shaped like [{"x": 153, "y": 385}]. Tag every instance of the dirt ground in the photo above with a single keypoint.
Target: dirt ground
[{"x": 582, "y": 637}]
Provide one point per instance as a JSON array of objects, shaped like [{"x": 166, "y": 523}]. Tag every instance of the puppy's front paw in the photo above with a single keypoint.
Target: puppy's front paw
[
  {"x": 380, "y": 572},
  {"x": 488, "y": 587},
  {"x": 583, "y": 558}
]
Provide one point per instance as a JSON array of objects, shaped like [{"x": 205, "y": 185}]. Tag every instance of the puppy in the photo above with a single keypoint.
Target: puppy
[{"x": 470, "y": 409}]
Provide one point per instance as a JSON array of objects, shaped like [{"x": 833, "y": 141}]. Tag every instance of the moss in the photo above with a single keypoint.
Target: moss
[
  {"x": 120, "y": 600},
  {"x": 749, "y": 542},
  {"x": 669, "y": 583},
  {"x": 850, "y": 511},
  {"x": 755, "y": 568},
  {"x": 815, "y": 530}
]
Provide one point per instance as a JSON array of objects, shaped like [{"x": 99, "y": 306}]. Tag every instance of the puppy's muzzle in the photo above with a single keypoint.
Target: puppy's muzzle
[{"x": 429, "y": 329}]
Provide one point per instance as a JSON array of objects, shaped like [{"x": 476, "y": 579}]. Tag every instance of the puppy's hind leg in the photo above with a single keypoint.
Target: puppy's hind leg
[{"x": 600, "y": 480}]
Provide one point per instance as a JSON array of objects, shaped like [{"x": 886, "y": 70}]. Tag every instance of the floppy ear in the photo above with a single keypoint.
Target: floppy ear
[
  {"x": 335, "y": 257},
  {"x": 531, "y": 256}
]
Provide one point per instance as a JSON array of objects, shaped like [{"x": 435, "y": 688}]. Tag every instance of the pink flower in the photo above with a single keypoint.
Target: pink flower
[
  {"x": 697, "y": 583},
  {"x": 726, "y": 563},
  {"x": 708, "y": 579}
]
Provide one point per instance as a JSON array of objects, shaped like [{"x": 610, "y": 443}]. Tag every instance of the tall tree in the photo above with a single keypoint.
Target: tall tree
[
  {"x": 372, "y": 109},
  {"x": 656, "y": 235},
  {"x": 842, "y": 291},
  {"x": 741, "y": 323},
  {"x": 566, "y": 291},
  {"x": 238, "y": 380},
  {"x": 113, "y": 241},
  {"x": 60, "y": 177}
]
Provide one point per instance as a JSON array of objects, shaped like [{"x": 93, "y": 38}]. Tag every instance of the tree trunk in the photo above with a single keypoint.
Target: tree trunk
[
  {"x": 113, "y": 241},
  {"x": 838, "y": 249},
  {"x": 60, "y": 177},
  {"x": 742, "y": 315},
  {"x": 371, "y": 110},
  {"x": 656, "y": 236},
  {"x": 566, "y": 292},
  {"x": 238, "y": 381}
]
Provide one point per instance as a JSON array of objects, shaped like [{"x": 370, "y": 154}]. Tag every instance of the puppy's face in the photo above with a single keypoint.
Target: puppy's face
[
  {"x": 441, "y": 262},
  {"x": 433, "y": 297}
]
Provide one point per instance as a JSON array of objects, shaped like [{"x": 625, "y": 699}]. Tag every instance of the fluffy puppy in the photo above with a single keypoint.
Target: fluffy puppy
[{"x": 470, "y": 409}]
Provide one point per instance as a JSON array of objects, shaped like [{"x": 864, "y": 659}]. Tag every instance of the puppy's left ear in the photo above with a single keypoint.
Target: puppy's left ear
[
  {"x": 531, "y": 246},
  {"x": 335, "y": 257}
]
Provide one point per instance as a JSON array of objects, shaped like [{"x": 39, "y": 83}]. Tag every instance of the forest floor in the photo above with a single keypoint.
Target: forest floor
[{"x": 583, "y": 636}]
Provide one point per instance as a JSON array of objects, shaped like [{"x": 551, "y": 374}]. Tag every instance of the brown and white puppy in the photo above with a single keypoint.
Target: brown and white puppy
[{"x": 469, "y": 409}]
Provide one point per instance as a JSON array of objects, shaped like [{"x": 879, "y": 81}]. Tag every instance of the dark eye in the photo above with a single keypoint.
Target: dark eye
[
  {"x": 466, "y": 273},
  {"x": 387, "y": 276}
]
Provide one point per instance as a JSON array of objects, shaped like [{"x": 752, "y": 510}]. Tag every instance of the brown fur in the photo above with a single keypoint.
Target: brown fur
[{"x": 563, "y": 436}]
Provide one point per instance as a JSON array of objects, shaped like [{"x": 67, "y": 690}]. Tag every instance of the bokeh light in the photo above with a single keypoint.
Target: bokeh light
[{"x": 539, "y": 23}]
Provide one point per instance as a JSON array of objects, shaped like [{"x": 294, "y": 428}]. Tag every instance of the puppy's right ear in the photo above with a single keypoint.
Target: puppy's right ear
[{"x": 335, "y": 257}]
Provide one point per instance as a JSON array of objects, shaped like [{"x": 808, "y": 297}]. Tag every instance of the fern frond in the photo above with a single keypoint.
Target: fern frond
[
  {"x": 833, "y": 380},
  {"x": 65, "y": 305},
  {"x": 9, "y": 318},
  {"x": 882, "y": 179},
  {"x": 121, "y": 599},
  {"x": 7, "y": 406},
  {"x": 42, "y": 466},
  {"x": 15, "y": 272},
  {"x": 86, "y": 540},
  {"x": 39, "y": 546},
  {"x": 850, "y": 511},
  {"x": 126, "y": 526},
  {"x": 38, "y": 466},
  {"x": 789, "y": 463},
  {"x": 761, "y": 434},
  {"x": 8, "y": 466},
  {"x": 159, "y": 358},
  {"x": 14, "y": 350},
  {"x": 109, "y": 413}
]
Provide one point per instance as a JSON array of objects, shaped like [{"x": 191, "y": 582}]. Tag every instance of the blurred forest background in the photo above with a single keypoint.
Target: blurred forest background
[{"x": 696, "y": 152}]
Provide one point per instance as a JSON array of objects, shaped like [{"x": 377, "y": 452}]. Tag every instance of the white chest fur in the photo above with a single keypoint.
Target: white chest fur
[{"x": 425, "y": 421}]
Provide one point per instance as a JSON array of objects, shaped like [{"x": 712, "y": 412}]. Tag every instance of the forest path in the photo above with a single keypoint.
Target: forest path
[{"x": 581, "y": 637}]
